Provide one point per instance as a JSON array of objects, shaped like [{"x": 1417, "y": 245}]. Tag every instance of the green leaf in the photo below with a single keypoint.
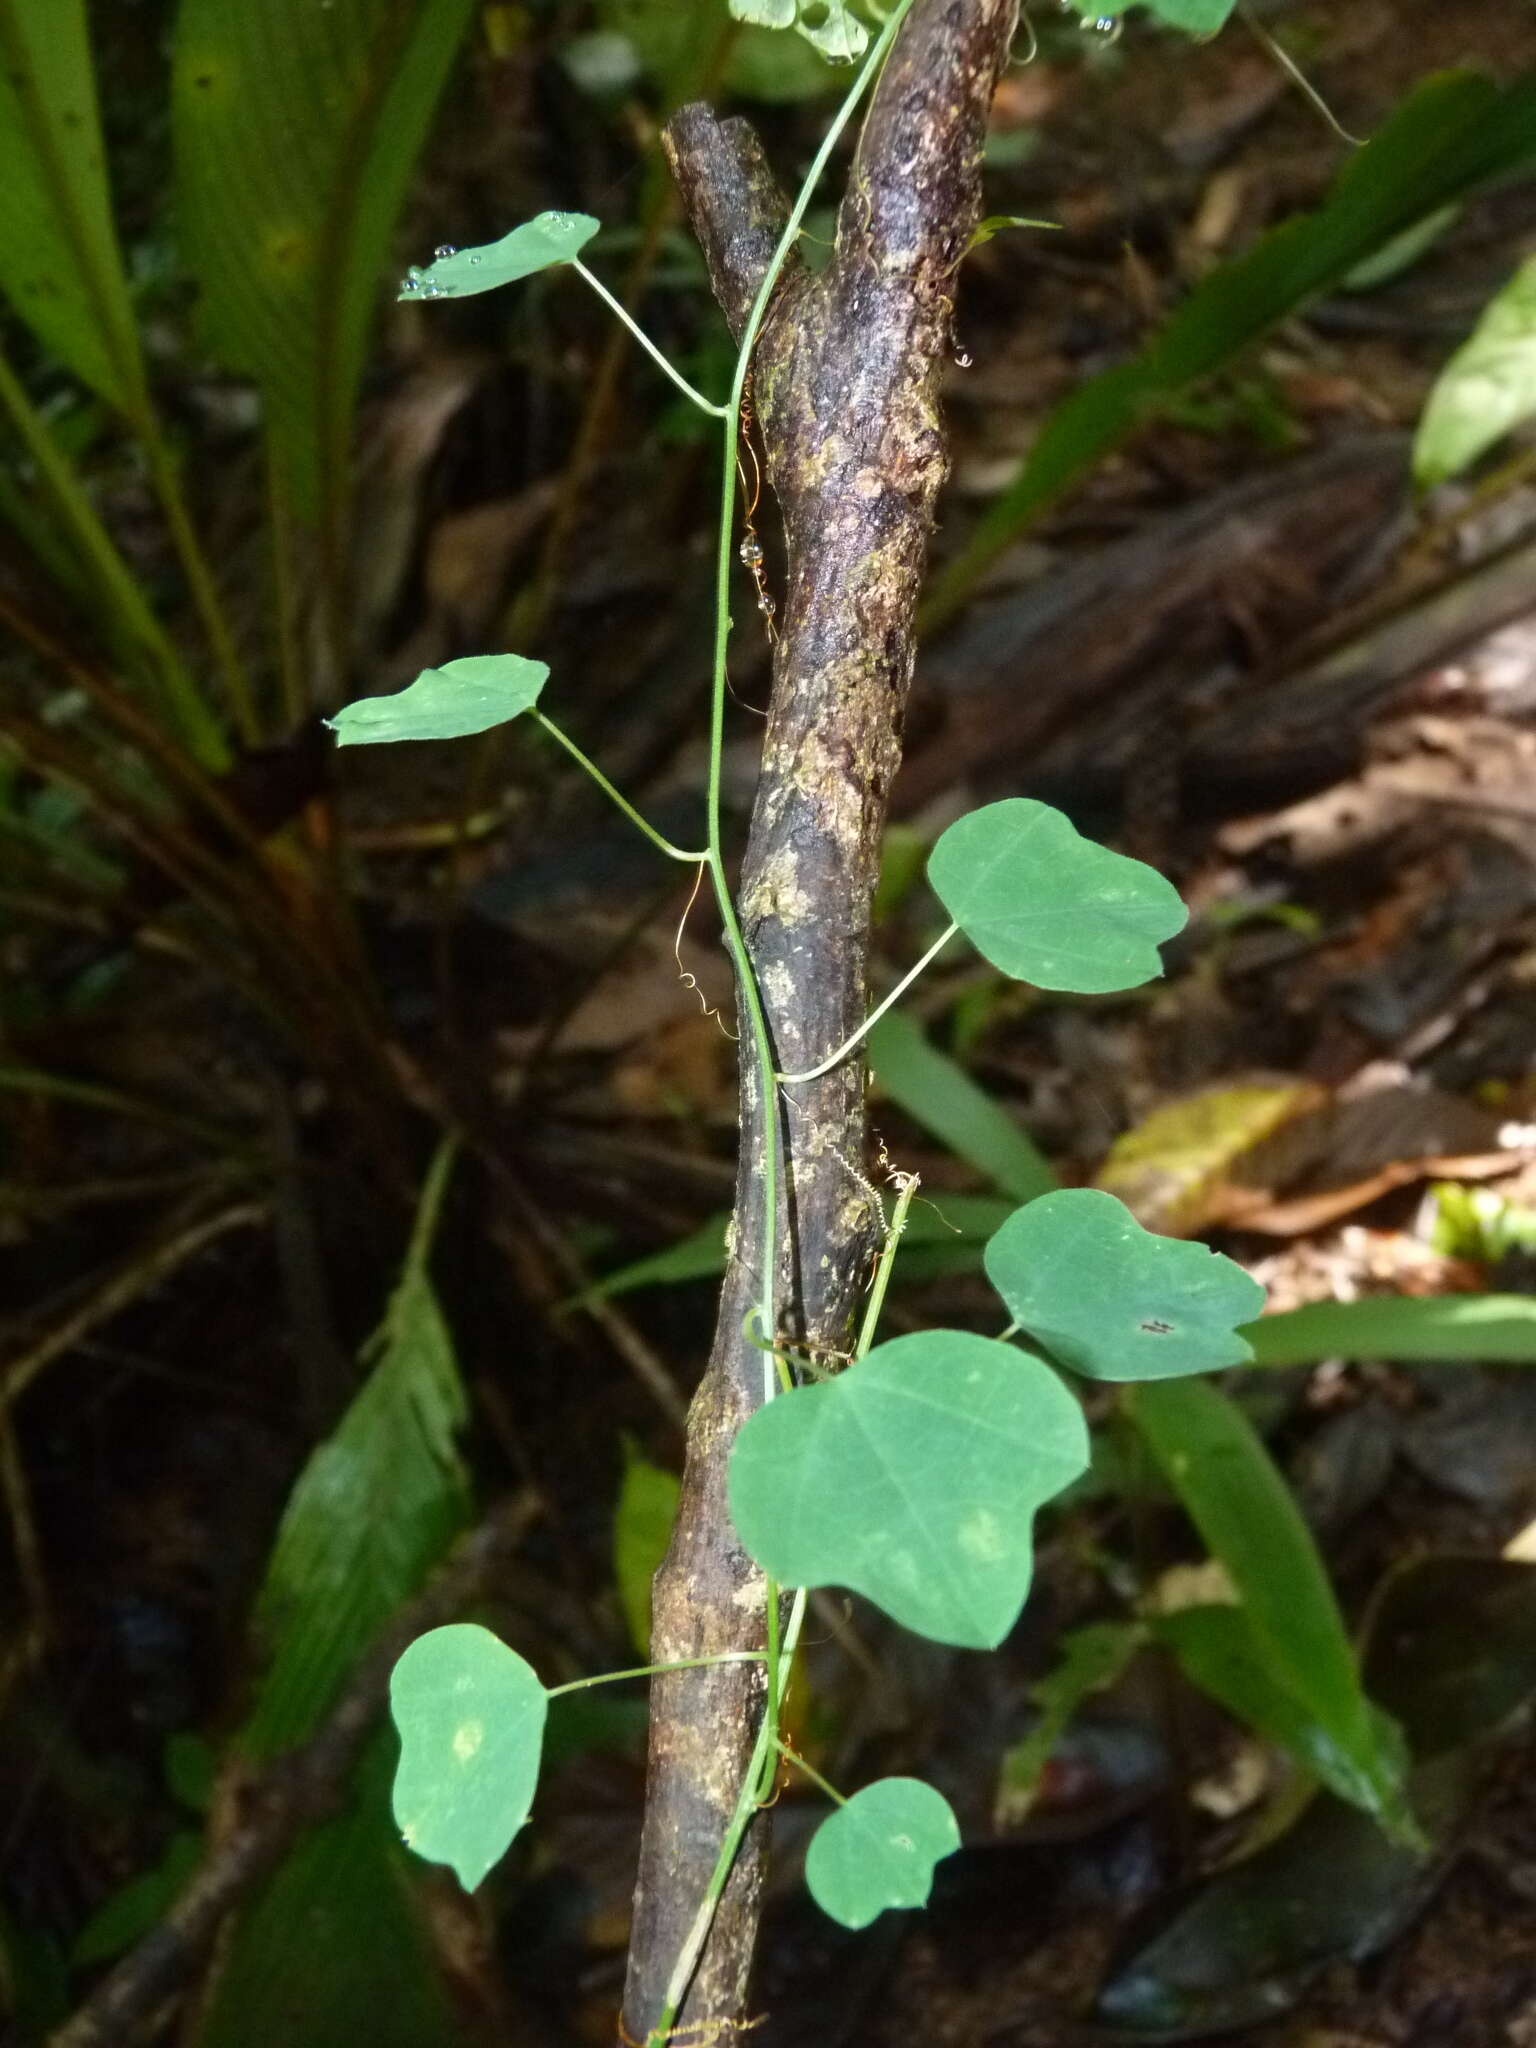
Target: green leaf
[
  {"x": 1216, "y": 1464},
  {"x": 296, "y": 128},
  {"x": 538, "y": 244},
  {"x": 642, "y": 1529},
  {"x": 1456, "y": 132},
  {"x": 337, "y": 1933},
  {"x": 1195, "y": 17},
  {"x": 471, "y": 1718},
  {"x": 1091, "y": 1659},
  {"x": 1490, "y": 1329},
  {"x": 829, "y": 26},
  {"x": 1112, "y": 1300},
  {"x": 447, "y": 703},
  {"x": 1486, "y": 389},
  {"x": 60, "y": 264},
  {"x": 912, "y": 1478},
  {"x": 937, "y": 1092},
  {"x": 879, "y": 1849},
  {"x": 1048, "y": 906},
  {"x": 337, "y": 1947},
  {"x": 1220, "y": 1652}
]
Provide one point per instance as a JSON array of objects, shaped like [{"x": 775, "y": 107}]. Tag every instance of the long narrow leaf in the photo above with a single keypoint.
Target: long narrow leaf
[
  {"x": 1238, "y": 1500},
  {"x": 1492, "y": 1329},
  {"x": 59, "y": 259},
  {"x": 296, "y": 127},
  {"x": 1455, "y": 133}
]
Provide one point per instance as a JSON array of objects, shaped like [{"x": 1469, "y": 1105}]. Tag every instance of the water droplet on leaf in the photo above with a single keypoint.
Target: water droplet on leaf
[{"x": 444, "y": 250}]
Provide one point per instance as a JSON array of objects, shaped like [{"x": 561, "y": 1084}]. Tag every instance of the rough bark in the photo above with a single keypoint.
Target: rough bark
[{"x": 846, "y": 388}]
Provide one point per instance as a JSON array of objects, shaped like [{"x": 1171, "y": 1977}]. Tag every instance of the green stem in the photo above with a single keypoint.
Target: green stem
[
  {"x": 857, "y": 1038},
  {"x": 200, "y": 583},
  {"x": 882, "y": 1278},
  {"x": 125, "y": 613},
  {"x": 650, "y": 1670},
  {"x": 616, "y": 796},
  {"x": 617, "y": 306},
  {"x": 753, "y": 1791}
]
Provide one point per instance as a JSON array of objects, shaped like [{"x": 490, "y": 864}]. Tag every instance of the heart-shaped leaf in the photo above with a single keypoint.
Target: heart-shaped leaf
[
  {"x": 538, "y": 244},
  {"x": 1112, "y": 1300},
  {"x": 879, "y": 1850},
  {"x": 446, "y": 703},
  {"x": 912, "y": 1478},
  {"x": 1048, "y": 906},
  {"x": 471, "y": 1718}
]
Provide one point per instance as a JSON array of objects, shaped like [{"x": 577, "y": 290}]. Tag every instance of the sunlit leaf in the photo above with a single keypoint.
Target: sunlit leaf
[
  {"x": 937, "y": 1092},
  {"x": 912, "y": 1478},
  {"x": 471, "y": 1718},
  {"x": 297, "y": 125},
  {"x": 879, "y": 1849},
  {"x": 1048, "y": 906},
  {"x": 60, "y": 264},
  {"x": 548, "y": 239},
  {"x": 446, "y": 703},
  {"x": 1487, "y": 388},
  {"x": 1490, "y": 1329},
  {"x": 1112, "y": 1300},
  {"x": 642, "y": 1529},
  {"x": 1229, "y": 1485}
]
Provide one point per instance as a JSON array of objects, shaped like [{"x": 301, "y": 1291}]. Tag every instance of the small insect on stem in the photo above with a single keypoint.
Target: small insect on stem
[{"x": 753, "y": 560}]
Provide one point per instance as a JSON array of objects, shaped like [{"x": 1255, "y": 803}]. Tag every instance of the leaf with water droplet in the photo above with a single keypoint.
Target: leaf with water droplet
[
  {"x": 878, "y": 1850},
  {"x": 471, "y": 1718},
  {"x": 1048, "y": 906},
  {"x": 548, "y": 239},
  {"x": 447, "y": 703},
  {"x": 1114, "y": 1301}
]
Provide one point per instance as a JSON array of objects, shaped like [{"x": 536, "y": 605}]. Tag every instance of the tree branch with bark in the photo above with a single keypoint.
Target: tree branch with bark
[{"x": 845, "y": 377}]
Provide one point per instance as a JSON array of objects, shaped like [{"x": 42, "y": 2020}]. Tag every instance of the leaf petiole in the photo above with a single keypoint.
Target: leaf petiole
[
  {"x": 850, "y": 1044},
  {"x": 651, "y": 1670},
  {"x": 708, "y": 405},
  {"x": 616, "y": 796}
]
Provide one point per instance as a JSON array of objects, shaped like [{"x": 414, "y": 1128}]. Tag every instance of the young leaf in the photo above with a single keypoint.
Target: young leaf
[
  {"x": 1217, "y": 1465},
  {"x": 878, "y": 1850},
  {"x": 1048, "y": 906},
  {"x": 642, "y": 1529},
  {"x": 1113, "y": 1301},
  {"x": 539, "y": 244},
  {"x": 938, "y": 1093},
  {"x": 471, "y": 1718},
  {"x": 1487, "y": 388},
  {"x": 1486, "y": 1328},
  {"x": 446, "y": 703},
  {"x": 912, "y": 1478}
]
